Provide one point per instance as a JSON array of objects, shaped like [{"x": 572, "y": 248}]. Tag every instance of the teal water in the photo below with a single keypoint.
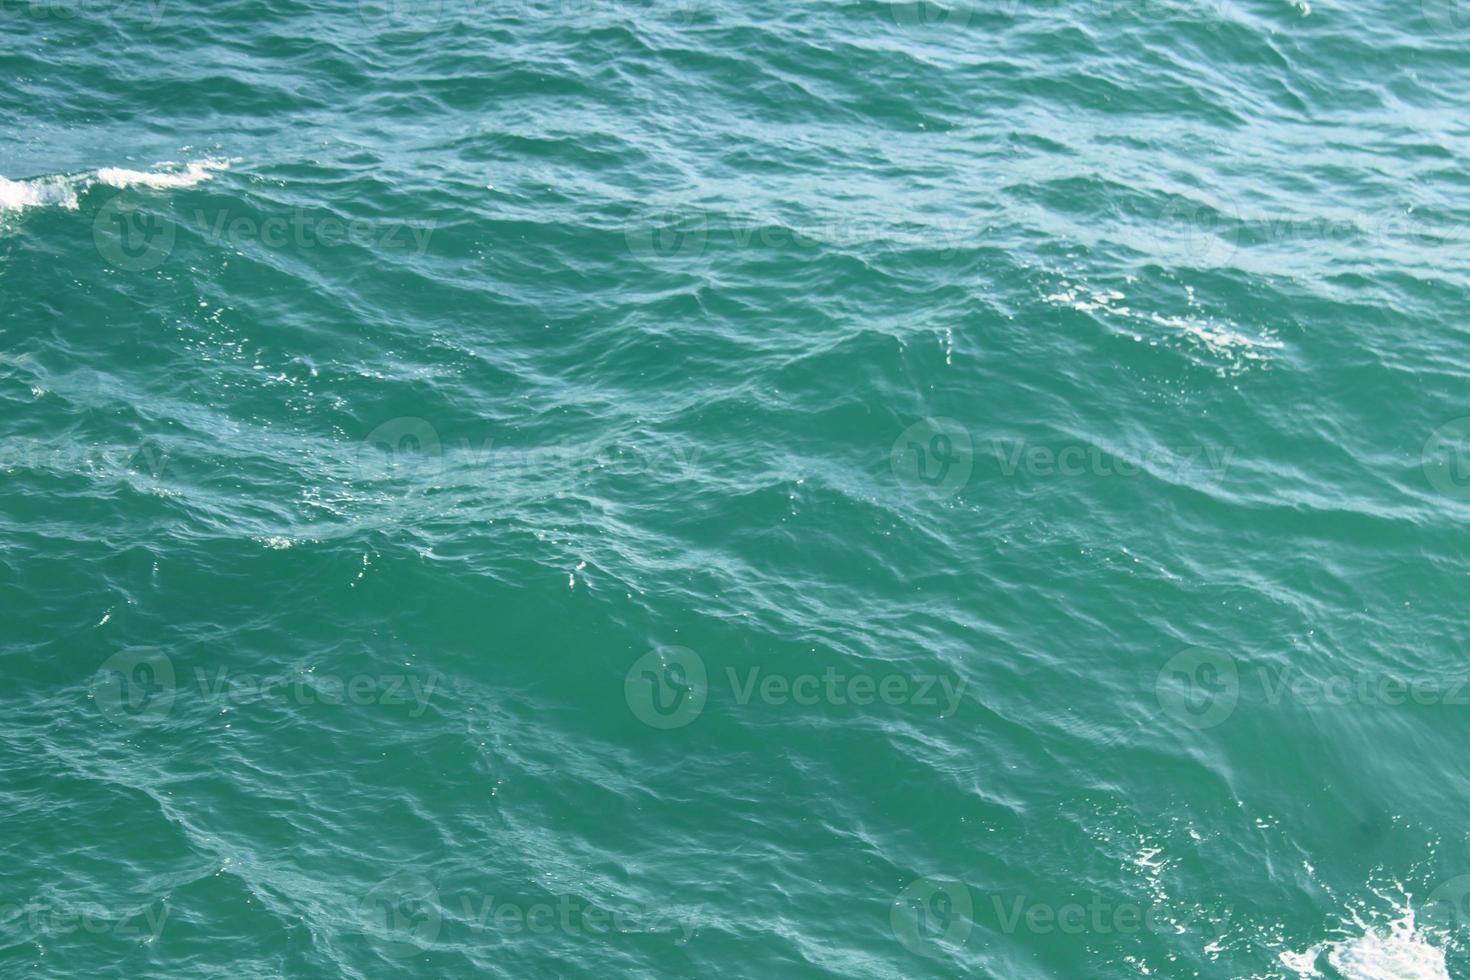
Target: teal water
[{"x": 688, "y": 488}]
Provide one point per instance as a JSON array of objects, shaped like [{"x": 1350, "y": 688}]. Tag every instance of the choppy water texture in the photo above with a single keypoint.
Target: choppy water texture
[{"x": 696, "y": 488}]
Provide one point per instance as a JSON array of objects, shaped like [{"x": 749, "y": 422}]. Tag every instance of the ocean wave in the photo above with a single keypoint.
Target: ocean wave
[
  {"x": 194, "y": 172},
  {"x": 17, "y": 195},
  {"x": 64, "y": 190},
  {"x": 1399, "y": 950}
]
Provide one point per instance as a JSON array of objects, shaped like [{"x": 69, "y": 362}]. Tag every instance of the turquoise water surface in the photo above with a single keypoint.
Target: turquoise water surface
[{"x": 686, "y": 488}]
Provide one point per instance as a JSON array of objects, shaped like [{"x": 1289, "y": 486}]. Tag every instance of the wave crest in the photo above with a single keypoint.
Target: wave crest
[{"x": 62, "y": 190}]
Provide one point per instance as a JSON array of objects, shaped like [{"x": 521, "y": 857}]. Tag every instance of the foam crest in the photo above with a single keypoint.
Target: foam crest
[
  {"x": 194, "y": 172},
  {"x": 61, "y": 190},
  {"x": 16, "y": 195},
  {"x": 1399, "y": 951}
]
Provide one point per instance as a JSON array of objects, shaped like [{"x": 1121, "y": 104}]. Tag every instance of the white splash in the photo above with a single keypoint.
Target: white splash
[
  {"x": 61, "y": 190},
  {"x": 1217, "y": 338},
  {"x": 16, "y": 195},
  {"x": 1220, "y": 340},
  {"x": 1398, "y": 951},
  {"x": 193, "y": 173},
  {"x": 1091, "y": 299}
]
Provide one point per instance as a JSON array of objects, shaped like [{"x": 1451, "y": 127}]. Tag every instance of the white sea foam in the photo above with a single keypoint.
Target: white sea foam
[
  {"x": 1400, "y": 950},
  {"x": 1220, "y": 340},
  {"x": 61, "y": 190},
  {"x": 16, "y": 195},
  {"x": 193, "y": 173},
  {"x": 1217, "y": 338}
]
